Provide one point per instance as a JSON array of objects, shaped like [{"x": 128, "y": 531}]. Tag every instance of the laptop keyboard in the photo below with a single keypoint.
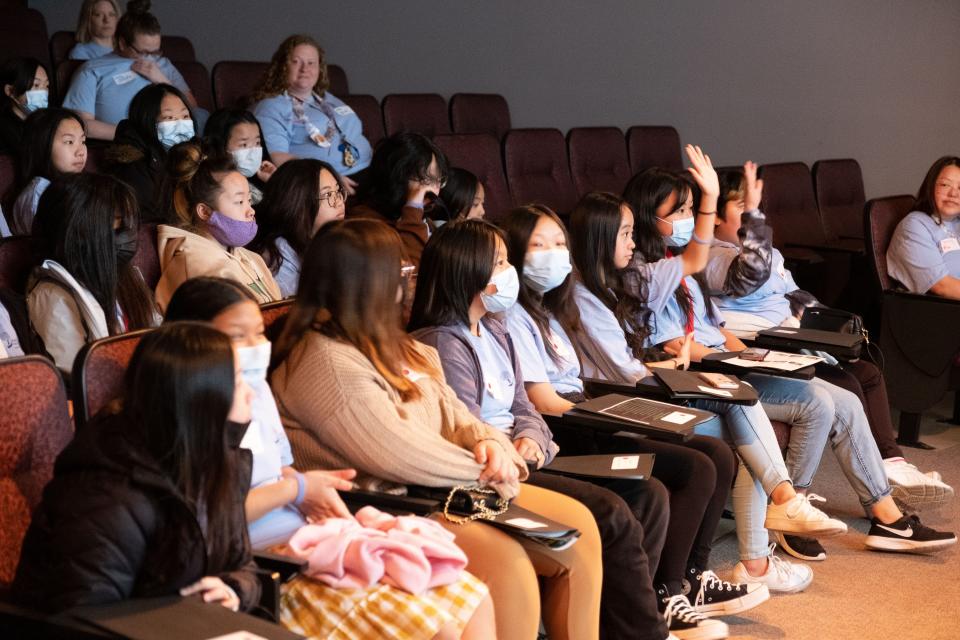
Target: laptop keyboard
[{"x": 636, "y": 409}]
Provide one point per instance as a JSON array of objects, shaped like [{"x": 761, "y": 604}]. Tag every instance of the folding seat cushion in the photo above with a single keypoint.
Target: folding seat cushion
[
  {"x": 479, "y": 153},
  {"x": 97, "y": 376},
  {"x": 338, "y": 80},
  {"x": 177, "y": 49},
  {"x": 790, "y": 204},
  {"x": 235, "y": 80},
  {"x": 60, "y": 44},
  {"x": 368, "y": 110},
  {"x": 838, "y": 185},
  {"x": 480, "y": 113},
  {"x": 537, "y": 168},
  {"x": 654, "y": 147},
  {"x": 198, "y": 80},
  {"x": 424, "y": 113},
  {"x": 598, "y": 159}
]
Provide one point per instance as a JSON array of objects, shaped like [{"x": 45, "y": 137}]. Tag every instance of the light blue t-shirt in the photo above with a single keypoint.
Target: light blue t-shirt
[
  {"x": 4, "y": 229},
  {"x": 498, "y": 380},
  {"x": 288, "y": 275},
  {"x": 88, "y": 51},
  {"x": 25, "y": 208},
  {"x": 767, "y": 302},
  {"x": 601, "y": 342},
  {"x": 535, "y": 360},
  {"x": 105, "y": 86},
  {"x": 671, "y": 322},
  {"x": 284, "y": 132},
  {"x": 662, "y": 278},
  {"x": 922, "y": 252}
]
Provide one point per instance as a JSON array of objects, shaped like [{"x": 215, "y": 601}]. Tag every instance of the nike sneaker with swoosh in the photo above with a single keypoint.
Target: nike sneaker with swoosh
[{"x": 908, "y": 535}]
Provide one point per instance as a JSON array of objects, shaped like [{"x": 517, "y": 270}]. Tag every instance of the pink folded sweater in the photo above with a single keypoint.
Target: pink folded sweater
[{"x": 406, "y": 552}]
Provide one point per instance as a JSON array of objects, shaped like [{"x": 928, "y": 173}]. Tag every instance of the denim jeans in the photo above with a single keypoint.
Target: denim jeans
[{"x": 819, "y": 411}]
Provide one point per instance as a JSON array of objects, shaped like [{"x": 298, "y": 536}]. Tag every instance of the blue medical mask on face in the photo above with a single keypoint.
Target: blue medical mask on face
[
  {"x": 508, "y": 287},
  {"x": 36, "y": 99},
  {"x": 254, "y": 362},
  {"x": 682, "y": 232},
  {"x": 171, "y": 132},
  {"x": 546, "y": 270}
]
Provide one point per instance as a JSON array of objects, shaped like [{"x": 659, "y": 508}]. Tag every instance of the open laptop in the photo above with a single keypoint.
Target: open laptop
[{"x": 649, "y": 413}]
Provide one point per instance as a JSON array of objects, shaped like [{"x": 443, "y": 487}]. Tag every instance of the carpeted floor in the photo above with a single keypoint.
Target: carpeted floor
[{"x": 859, "y": 594}]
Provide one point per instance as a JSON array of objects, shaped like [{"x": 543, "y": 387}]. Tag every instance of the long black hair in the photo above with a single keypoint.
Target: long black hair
[
  {"x": 398, "y": 159},
  {"x": 74, "y": 227},
  {"x": 205, "y": 297},
  {"x": 19, "y": 74},
  {"x": 558, "y": 302},
  {"x": 925, "y": 195},
  {"x": 216, "y": 133},
  {"x": 39, "y": 135},
  {"x": 145, "y": 109},
  {"x": 456, "y": 265},
  {"x": 178, "y": 391},
  {"x": 458, "y": 194}
]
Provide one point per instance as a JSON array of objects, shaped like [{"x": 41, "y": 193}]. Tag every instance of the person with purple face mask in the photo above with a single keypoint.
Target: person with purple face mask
[{"x": 212, "y": 200}]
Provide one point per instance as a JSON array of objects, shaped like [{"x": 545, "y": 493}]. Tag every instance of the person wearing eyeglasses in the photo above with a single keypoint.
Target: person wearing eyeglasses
[
  {"x": 102, "y": 89},
  {"x": 301, "y": 196},
  {"x": 401, "y": 187}
]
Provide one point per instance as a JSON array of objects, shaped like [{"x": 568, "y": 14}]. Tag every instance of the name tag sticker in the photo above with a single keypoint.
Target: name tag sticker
[
  {"x": 949, "y": 244},
  {"x": 525, "y": 523},
  {"x": 343, "y": 111},
  {"x": 678, "y": 417},
  {"x": 625, "y": 462},
  {"x": 716, "y": 392},
  {"x": 125, "y": 77}
]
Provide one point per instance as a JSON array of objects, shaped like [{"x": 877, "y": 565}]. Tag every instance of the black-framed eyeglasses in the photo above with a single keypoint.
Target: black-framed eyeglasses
[
  {"x": 434, "y": 181},
  {"x": 333, "y": 198},
  {"x": 158, "y": 53}
]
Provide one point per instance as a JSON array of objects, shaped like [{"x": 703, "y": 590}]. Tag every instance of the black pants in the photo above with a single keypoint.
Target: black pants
[{"x": 632, "y": 517}]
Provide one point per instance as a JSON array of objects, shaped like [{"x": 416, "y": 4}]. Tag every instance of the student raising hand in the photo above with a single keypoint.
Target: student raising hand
[{"x": 705, "y": 176}]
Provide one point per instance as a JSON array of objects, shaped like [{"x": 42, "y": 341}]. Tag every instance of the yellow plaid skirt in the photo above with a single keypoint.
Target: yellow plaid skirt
[{"x": 315, "y": 610}]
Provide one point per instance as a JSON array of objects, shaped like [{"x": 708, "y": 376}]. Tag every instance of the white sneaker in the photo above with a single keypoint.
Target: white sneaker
[
  {"x": 800, "y": 517},
  {"x": 912, "y": 488},
  {"x": 935, "y": 475},
  {"x": 781, "y": 576}
]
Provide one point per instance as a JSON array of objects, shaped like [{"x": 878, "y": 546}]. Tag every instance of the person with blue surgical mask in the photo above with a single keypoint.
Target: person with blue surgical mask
[
  {"x": 25, "y": 86},
  {"x": 237, "y": 132}
]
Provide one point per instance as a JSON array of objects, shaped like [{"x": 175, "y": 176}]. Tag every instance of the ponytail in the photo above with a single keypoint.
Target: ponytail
[{"x": 193, "y": 178}]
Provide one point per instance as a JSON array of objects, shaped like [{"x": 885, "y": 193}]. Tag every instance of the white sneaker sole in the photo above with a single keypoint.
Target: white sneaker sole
[
  {"x": 814, "y": 529},
  {"x": 730, "y": 607},
  {"x": 714, "y": 630},
  {"x": 796, "y": 588},
  {"x": 920, "y": 495},
  {"x": 883, "y": 543}
]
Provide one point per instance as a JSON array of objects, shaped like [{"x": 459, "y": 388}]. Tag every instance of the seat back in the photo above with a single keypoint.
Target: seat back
[
  {"x": 235, "y": 80},
  {"x": 479, "y": 153},
  {"x": 60, "y": 44},
  {"x": 838, "y": 185},
  {"x": 197, "y": 78},
  {"x": 537, "y": 168},
  {"x": 598, "y": 159},
  {"x": 480, "y": 113},
  {"x": 654, "y": 147},
  {"x": 34, "y": 428},
  {"x": 790, "y": 204},
  {"x": 177, "y": 49},
  {"x": 8, "y": 183},
  {"x": 274, "y": 314},
  {"x": 147, "y": 259},
  {"x": 881, "y": 217},
  {"x": 424, "y": 113},
  {"x": 97, "y": 376},
  {"x": 368, "y": 110},
  {"x": 64, "y": 74},
  {"x": 16, "y": 262},
  {"x": 15, "y": 43},
  {"x": 337, "y": 78}
]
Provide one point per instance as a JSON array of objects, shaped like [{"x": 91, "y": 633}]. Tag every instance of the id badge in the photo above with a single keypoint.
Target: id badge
[
  {"x": 350, "y": 153},
  {"x": 125, "y": 77},
  {"x": 949, "y": 244}
]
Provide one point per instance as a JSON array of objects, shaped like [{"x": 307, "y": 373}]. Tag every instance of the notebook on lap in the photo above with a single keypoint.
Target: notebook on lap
[
  {"x": 683, "y": 385},
  {"x": 652, "y": 414},
  {"x": 621, "y": 466},
  {"x": 845, "y": 346}
]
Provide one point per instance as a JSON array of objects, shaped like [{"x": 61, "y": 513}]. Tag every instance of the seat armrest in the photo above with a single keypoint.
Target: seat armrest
[
  {"x": 390, "y": 502},
  {"x": 285, "y": 566}
]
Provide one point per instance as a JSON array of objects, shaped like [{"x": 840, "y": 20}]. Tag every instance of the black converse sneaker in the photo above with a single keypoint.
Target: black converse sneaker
[
  {"x": 711, "y": 596},
  {"x": 799, "y": 547},
  {"x": 907, "y": 535},
  {"x": 686, "y": 624}
]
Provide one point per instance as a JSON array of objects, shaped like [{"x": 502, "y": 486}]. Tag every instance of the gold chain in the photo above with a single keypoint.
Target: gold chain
[{"x": 483, "y": 511}]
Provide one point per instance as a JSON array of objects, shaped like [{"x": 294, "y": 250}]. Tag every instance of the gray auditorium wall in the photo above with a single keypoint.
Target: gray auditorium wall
[{"x": 771, "y": 81}]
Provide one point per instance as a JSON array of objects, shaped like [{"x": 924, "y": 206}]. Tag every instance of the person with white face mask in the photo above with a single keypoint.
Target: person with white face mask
[
  {"x": 25, "y": 85},
  {"x": 237, "y": 132}
]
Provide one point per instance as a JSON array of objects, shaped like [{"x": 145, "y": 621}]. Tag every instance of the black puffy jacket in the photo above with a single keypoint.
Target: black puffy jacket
[
  {"x": 112, "y": 526},
  {"x": 138, "y": 163}
]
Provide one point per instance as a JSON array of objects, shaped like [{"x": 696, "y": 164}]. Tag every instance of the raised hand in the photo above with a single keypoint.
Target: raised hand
[
  {"x": 754, "y": 187},
  {"x": 702, "y": 171}
]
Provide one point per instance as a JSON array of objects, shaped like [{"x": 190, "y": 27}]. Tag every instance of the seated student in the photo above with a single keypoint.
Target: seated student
[
  {"x": 54, "y": 145},
  {"x": 96, "y": 29},
  {"x": 924, "y": 253},
  {"x": 698, "y": 475},
  {"x": 146, "y": 499},
  {"x": 282, "y": 499},
  {"x": 301, "y": 119},
  {"x": 26, "y": 86},
  {"x": 463, "y": 195},
  {"x": 816, "y": 409},
  {"x": 236, "y": 132},
  {"x": 465, "y": 285},
  {"x": 407, "y": 171},
  {"x": 354, "y": 390},
  {"x": 601, "y": 231},
  {"x": 102, "y": 89},
  {"x": 85, "y": 288},
  {"x": 757, "y": 291},
  {"x": 302, "y": 196},
  {"x": 159, "y": 118},
  {"x": 213, "y": 200}
]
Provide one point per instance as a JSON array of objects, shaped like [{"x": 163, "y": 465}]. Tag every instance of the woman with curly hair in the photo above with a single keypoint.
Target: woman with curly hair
[{"x": 299, "y": 117}]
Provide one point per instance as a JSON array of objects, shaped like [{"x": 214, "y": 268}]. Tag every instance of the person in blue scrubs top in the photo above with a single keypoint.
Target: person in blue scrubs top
[{"x": 96, "y": 29}]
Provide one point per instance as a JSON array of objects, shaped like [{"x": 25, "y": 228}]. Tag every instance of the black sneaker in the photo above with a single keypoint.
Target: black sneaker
[
  {"x": 686, "y": 624},
  {"x": 800, "y": 547},
  {"x": 711, "y": 596},
  {"x": 907, "y": 535}
]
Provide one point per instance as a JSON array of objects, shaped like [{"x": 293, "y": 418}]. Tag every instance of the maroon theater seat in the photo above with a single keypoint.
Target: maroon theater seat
[
  {"x": 274, "y": 315},
  {"x": 177, "y": 49},
  {"x": 424, "y": 113},
  {"x": 479, "y": 153},
  {"x": 881, "y": 217},
  {"x": 790, "y": 204},
  {"x": 368, "y": 110},
  {"x": 235, "y": 80},
  {"x": 15, "y": 43},
  {"x": 654, "y": 147},
  {"x": 63, "y": 76},
  {"x": 16, "y": 262},
  {"x": 98, "y": 370},
  {"x": 147, "y": 259},
  {"x": 480, "y": 113},
  {"x": 8, "y": 182},
  {"x": 337, "y": 78},
  {"x": 197, "y": 78},
  {"x": 537, "y": 168},
  {"x": 598, "y": 159},
  {"x": 838, "y": 185},
  {"x": 61, "y": 43}
]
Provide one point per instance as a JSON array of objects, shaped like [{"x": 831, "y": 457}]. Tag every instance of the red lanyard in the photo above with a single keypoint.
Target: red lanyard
[{"x": 686, "y": 290}]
